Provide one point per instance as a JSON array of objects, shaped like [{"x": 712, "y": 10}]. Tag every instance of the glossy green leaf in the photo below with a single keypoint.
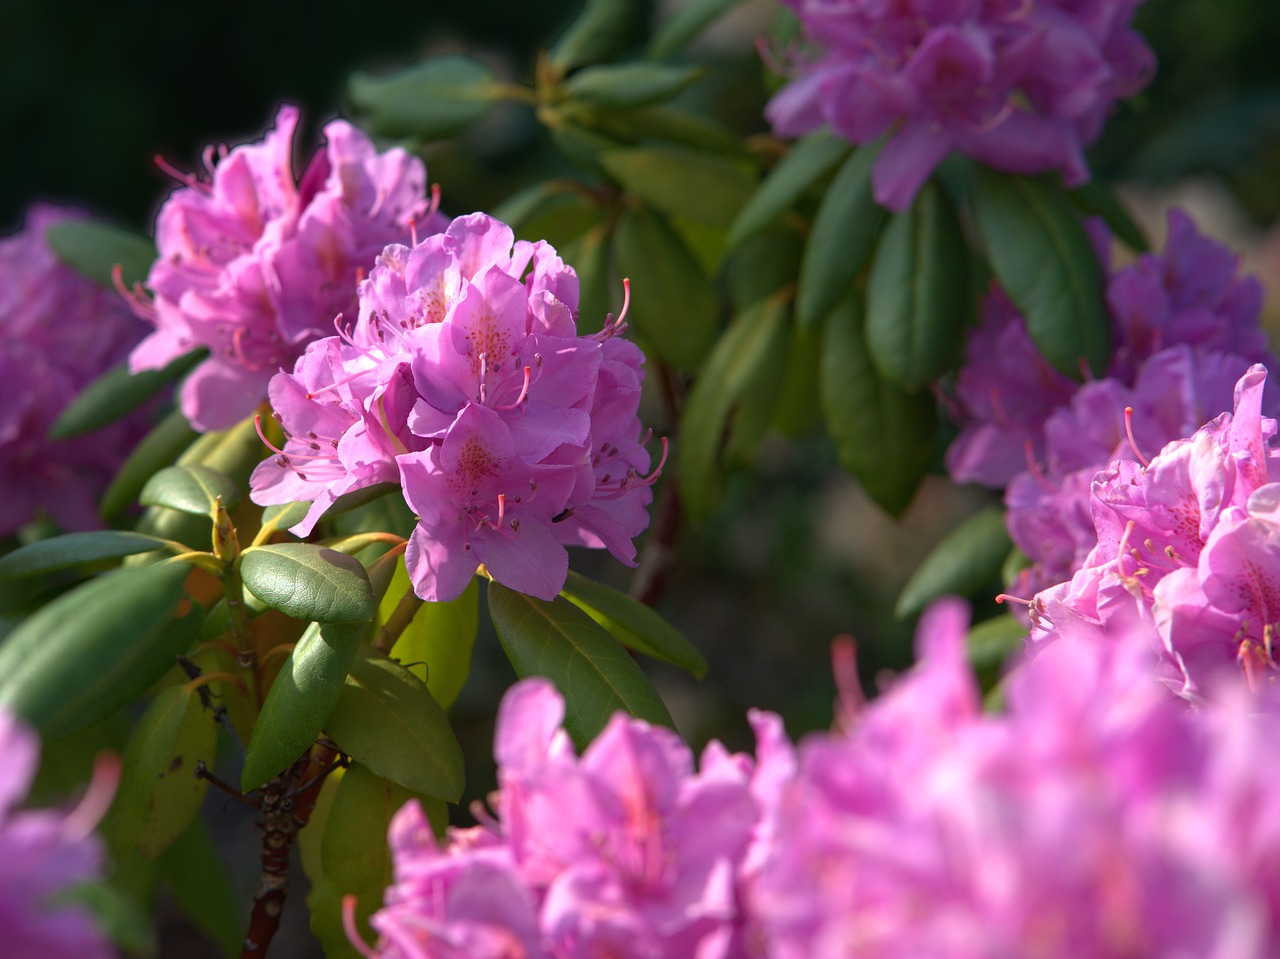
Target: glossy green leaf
[
  {"x": 688, "y": 20},
  {"x": 93, "y": 249},
  {"x": 439, "y": 641},
  {"x": 199, "y": 883},
  {"x": 631, "y": 84},
  {"x": 810, "y": 159},
  {"x": 673, "y": 303},
  {"x": 991, "y": 641},
  {"x": 883, "y": 435},
  {"x": 301, "y": 699},
  {"x": 529, "y": 205},
  {"x": 386, "y": 720},
  {"x": 633, "y": 624},
  {"x": 589, "y": 257},
  {"x": 1042, "y": 257},
  {"x": 115, "y": 394},
  {"x": 1096, "y": 198},
  {"x": 842, "y": 238},
  {"x": 351, "y": 864},
  {"x": 193, "y": 489},
  {"x": 76, "y": 549},
  {"x": 844, "y": 234},
  {"x": 691, "y": 184},
  {"x": 964, "y": 560},
  {"x": 160, "y": 792},
  {"x": 594, "y": 674},
  {"x": 307, "y": 581},
  {"x": 798, "y": 410},
  {"x": 750, "y": 356},
  {"x": 670, "y": 124},
  {"x": 283, "y": 515},
  {"x": 234, "y": 452},
  {"x": 158, "y": 449},
  {"x": 916, "y": 310},
  {"x": 434, "y": 99},
  {"x": 97, "y": 647},
  {"x": 599, "y": 31}
]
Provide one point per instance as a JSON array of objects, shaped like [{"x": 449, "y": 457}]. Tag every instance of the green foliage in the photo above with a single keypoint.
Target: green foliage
[
  {"x": 599, "y": 32},
  {"x": 593, "y": 673},
  {"x": 631, "y": 84},
  {"x": 96, "y": 249},
  {"x": 97, "y": 647},
  {"x": 115, "y": 394},
  {"x": 809, "y": 159},
  {"x": 194, "y": 489},
  {"x": 967, "y": 558},
  {"x": 432, "y": 100},
  {"x": 301, "y": 699},
  {"x": 437, "y": 644},
  {"x": 156, "y": 450},
  {"x": 387, "y": 720},
  {"x": 309, "y": 582},
  {"x": 77, "y": 549}
]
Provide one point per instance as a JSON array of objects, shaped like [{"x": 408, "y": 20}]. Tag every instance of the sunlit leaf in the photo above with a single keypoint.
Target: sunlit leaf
[
  {"x": 308, "y": 582},
  {"x": 439, "y": 640},
  {"x": 434, "y": 99},
  {"x": 193, "y": 489},
  {"x": 158, "y": 449},
  {"x": 76, "y": 549},
  {"x": 964, "y": 560},
  {"x": 809, "y": 159}
]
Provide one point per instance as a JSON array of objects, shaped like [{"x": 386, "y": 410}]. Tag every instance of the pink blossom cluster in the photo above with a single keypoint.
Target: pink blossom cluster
[
  {"x": 1023, "y": 87},
  {"x": 46, "y": 853},
  {"x": 1095, "y": 815},
  {"x": 254, "y": 264},
  {"x": 62, "y": 331},
  {"x": 464, "y": 381},
  {"x": 1188, "y": 543},
  {"x": 1185, "y": 327}
]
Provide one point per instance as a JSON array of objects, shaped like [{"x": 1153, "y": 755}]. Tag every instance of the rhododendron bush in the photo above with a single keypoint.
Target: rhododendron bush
[{"x": 279, "y": 473}]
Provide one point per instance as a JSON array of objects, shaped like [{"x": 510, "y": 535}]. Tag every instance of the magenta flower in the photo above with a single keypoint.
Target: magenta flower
[
  {"x": 464, "y": 380},
  {"x": 1021, "y": 87},
  {"x": 45, "y": 853},
  {"x": 624, "y": 851},
  {"x": 254, "y": 264},
  {"x": 62, "y": 331}
]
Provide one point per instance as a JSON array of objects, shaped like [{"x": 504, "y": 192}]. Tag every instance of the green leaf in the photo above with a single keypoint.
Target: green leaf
[
  {"x": 594, "y": 674},
  {"x": 116, "y": 913},
  {"x": 386, "y": 720},
  {"x": 750, "y": 357},
  {"x": 671, "y": 125},
  {"x": 764, "y": 264},
  {"x": 633, "y": 624},
  {"x": 354, "y": 857},
  {"x": 160, "y": 792},
  {"x": 597, "y": 33},
  {"x": 157, "y": 450},
  {"x": 966, "y": 559},
  {"x": 93, "y": 249},
  {"x": 1042, "y": 257},
  {"x": 193, "y": 489},
  {"x": 707, "y": 188},
  {"x": 883, "y": 434},
  {"x": 234, "y": 452},
  {"x": 534, "y": 202},
  {"x": 115, "y": 394},
  {"x": 307, "y": 581},
  {"x": 810, "y": 159},
  {"x": 440, "y": 638},
  {"x": 589, "y": 257},
  {"x": 200, "y": 885},
  {"x": 283, "y": 515},
  {"x": 76, "y": 549},
  {"x": 437, "y": 98},
  {"x": 915, "y": 317},
  {"x": 631, "y": 84},
  {"x": 684, "y": 25},
  {"x": 844, "y": 233},
  {"x": 673, "y": 303},
  {"x": 1098, "y": 199},
  {"x": 97, "y": 647},
  {"x": 300, "y": 701},
  {"x": 991, "y": 641}
]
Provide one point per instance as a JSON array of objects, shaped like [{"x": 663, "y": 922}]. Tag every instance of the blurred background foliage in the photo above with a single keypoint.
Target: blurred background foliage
[{"x": 794, "y": 554}]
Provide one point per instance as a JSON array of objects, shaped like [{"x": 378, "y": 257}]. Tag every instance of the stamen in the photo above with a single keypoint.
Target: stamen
[
  {"x": 349, "y": 927},
  {"x": 1128, "y": 431},
  {"x": 1034, "y": 469},
  {"x": 524, "y": 392},
  {"x": 844, "y": 668},
  {"x": 312, "y": 394},
  {"x": 96, "y": 801},
  {"x": 188, "y": 179}
]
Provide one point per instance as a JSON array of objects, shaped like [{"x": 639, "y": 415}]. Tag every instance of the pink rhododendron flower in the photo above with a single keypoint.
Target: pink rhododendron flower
[
  {"x": 254, "y": 264},
  {"x": 464, "y": 380},
  {"x": 626, "y": 850},
  {"x": 43, "y": 854},
  {"x": 1192, "y": 542},
  {"x": 1184, "y": 326},
  {"x": 1022, "y": 87},
  {"x": 62, "y": 331}
]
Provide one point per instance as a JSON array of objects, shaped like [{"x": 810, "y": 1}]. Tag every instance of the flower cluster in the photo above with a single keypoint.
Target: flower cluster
[
  {"x": 1190, "y": 543},
  {"x": 254, "y": 264},
  {"x": 624, "y": 851},
  {"x": 1022, "y": 87},
  {"x": 62, "y": 331},
  {"x": 44, "y": 853},
  {"x": 1185, "y": 327},
  {"x": 465, "y": 381},
  {"x": 1095, "y": 816}
]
